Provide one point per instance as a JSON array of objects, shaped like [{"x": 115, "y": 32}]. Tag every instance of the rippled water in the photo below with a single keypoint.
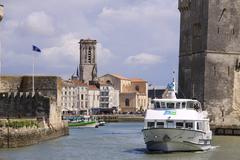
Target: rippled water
[{"x": 116, "y": 141}]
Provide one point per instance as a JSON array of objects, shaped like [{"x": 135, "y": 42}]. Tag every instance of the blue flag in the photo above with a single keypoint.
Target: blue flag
[{"x": 36, "y": 49}]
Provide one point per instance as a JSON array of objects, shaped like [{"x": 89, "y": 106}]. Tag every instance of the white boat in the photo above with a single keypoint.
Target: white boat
[{"x": 176, "y": 124}]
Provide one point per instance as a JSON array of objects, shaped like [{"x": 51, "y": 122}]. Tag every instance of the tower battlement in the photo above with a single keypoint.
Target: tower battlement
[{"x": 184, "y": 5}]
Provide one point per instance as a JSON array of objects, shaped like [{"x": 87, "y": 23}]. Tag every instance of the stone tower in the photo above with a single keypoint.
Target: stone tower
[
  {"x": 209, "y": 58},
  {"x": 88, "y": 64}
]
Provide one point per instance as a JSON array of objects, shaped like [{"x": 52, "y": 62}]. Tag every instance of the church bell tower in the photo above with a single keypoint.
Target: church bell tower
[{"x": 88, "y": 64}]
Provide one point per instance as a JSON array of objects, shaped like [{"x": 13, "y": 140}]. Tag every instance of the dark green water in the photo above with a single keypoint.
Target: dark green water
[{"x": 116, "y": 141}]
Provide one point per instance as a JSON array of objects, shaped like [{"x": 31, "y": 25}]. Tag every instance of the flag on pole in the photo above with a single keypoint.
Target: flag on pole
[{"x": 36, "y": 49}]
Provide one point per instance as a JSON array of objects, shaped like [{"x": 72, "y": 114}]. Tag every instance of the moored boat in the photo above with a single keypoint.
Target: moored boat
[
  {"x": 82, "y": 121},
  {"x": 176, "y": 124}
]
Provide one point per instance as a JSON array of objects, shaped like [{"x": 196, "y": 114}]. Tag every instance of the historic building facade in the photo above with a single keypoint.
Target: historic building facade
[
  {"x": 88, "y": 62},
  {"x": 78, "y": 97},
  {"x": 133, "y": 92},
  {"x": 109, "y": 97},
  {"x": 93, "y": 97},
  {"x": 74, "y": 97},
  {"x": 209, "y": 57}
]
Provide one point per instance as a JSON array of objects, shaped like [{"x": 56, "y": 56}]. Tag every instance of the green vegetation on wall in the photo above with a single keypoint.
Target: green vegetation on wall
[{"x": 19, "y": 123}]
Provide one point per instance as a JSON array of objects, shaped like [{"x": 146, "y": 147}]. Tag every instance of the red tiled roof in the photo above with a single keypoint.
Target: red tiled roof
[
  {"x": 119, "y": 76},
  {"x": 137, "y": 80},
  {"x": 78, "y": 83},
  {"x": 92, "y": 87}
]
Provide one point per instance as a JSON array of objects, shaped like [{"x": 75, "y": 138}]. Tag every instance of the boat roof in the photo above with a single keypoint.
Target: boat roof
[{"x": 175, "y": 100}]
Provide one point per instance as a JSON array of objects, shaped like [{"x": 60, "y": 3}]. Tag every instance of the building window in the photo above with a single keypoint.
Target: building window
[
  {"x": 81, "y": 96},
  {"x": 127, "y": 102},
  {"x": 137, "y": 88},
  {"x": 108, "y": 82}
]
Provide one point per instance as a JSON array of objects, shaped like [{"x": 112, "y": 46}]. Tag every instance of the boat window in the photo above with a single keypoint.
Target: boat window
[
  {"x": 157, "y": 105},
  {"x": 170, "y": 105},
  {"x": 160, "y": 124},
  {"x": 183, "y": 104},
  {"x": 177, "y": 105},
  {"x": 163, "y": 105},
  {"x": 197, "y": 106},
  {"x": 170, "y": 124},
  {"x": 150, "y": 124},
  {"x": 199, "y": 126},
  {"x": 179, "y": 124},
  {"x": 189, "y": 125},
  {"x": 190, "y": 104}
]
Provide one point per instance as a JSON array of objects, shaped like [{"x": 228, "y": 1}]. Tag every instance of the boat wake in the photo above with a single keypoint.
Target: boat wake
[{"x": 210, "y": 149}]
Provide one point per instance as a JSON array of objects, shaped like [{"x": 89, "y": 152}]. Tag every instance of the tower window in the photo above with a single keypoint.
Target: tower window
[
  {"x": 89, "y": 56},
  {"x": 228, "y": 71},
  {"x": 197, "y": 29},
  {"x": 126, "y": 102},
  {"x": 214, "y": 69}
]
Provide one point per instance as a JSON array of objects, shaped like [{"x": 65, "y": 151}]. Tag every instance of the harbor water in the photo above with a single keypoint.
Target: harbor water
[{"x": 115, "y": 141}]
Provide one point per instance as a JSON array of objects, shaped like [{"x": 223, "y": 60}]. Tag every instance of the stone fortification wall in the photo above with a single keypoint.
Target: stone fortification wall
[
  {"x": 10, "y": 83},
  {"x": 24, "y": 105},
  {"x": 28, "y": 107},
  {"x": 11, "y": 138},
  {"x": 18, "y": 103},
  {"x": 48, "y": 85}
]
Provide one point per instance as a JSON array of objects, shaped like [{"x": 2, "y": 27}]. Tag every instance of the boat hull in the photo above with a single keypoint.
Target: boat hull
[
  {"x": 173, "y": 140},
  {"x": 82, "y": 124}
]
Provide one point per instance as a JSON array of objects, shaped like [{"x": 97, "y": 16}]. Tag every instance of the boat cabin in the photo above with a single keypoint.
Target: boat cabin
[
  {"x": 192, "y": 125},
  {"x": 176, "y": 104}
]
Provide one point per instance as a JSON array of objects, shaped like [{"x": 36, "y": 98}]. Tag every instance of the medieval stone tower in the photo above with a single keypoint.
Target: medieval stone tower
[
  {"x": 88, "y": 65},
  {"x": 209, "y": 58}
]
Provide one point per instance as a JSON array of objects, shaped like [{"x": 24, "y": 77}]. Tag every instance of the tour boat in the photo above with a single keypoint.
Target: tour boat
[
  {"x": 176, "y": 124},
  {"x": 81, "y": 121}
]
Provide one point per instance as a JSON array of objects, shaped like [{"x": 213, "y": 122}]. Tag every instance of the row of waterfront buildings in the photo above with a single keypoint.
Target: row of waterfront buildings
[
  {"x": 113, "y": 93},
  {"x": 86, "y": 92}
]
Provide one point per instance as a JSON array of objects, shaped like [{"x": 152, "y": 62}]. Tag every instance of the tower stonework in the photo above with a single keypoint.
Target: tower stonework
[
  {"x": 88, "y": 65},
  {"x": 209, "y": 58}
]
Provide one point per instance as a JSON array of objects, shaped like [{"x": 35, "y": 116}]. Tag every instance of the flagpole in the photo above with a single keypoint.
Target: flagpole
[
  {"x": 35, "y": 49},
  {"x": 33, "y": 90}
]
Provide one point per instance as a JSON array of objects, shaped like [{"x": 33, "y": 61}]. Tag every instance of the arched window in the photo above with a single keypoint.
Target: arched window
[
  {"x": 108, "y": 82},
  {"x": 126, "y": 102},
  {"x": 137, "y": 88}
]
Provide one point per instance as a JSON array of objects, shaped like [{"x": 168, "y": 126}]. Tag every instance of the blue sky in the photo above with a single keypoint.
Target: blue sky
[{"x": 136, "y": 38}]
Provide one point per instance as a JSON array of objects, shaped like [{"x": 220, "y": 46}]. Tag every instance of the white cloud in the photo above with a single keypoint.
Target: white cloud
[
  {"x": 143, "y": 59},
  {"x": 104, "y": 55},
  {"x": 39, "y": 23},
  {"x": 63, "y": 54},
  {"x": 120, "y": 27}
]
